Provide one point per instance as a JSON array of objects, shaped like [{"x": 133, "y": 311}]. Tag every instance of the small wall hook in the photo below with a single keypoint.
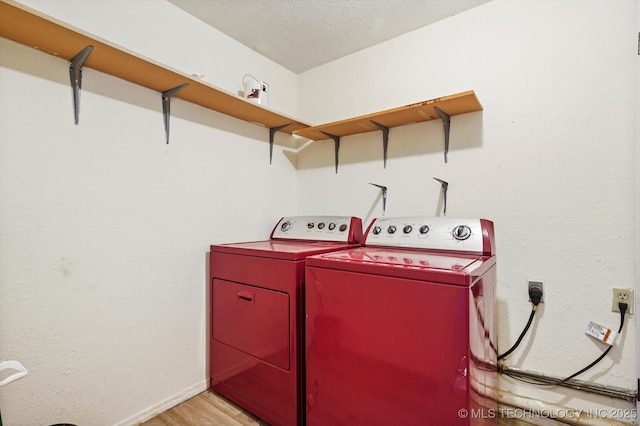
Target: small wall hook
[
  {"x": 445, "y": 186},
  {"x": 384, "y": 196}
]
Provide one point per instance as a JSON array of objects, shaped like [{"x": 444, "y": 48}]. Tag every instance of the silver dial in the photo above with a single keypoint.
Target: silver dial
[{"x": 461, "y": 232}]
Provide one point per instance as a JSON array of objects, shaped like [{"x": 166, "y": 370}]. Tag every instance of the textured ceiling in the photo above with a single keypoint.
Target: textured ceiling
[{"x": 303, "y": 34}]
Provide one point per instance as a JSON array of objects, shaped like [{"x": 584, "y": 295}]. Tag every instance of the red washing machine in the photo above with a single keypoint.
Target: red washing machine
[
  {"x": 257, "y": 313},
  {"x": 401, "y": 331}
]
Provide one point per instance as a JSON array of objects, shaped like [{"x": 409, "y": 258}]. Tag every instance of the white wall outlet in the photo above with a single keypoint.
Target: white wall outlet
[{"x": 624, "y": 295}]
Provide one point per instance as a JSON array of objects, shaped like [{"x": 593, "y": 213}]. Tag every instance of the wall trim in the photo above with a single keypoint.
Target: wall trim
[{"x": 165, "y": 405}]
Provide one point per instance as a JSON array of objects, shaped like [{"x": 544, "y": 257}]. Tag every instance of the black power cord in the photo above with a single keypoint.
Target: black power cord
[
  {"x": 535, "y": 295},
  {"x": 623, "y": 310}
]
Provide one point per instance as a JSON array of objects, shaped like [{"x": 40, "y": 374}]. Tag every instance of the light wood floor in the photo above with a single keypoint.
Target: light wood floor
[
  {"x": 205, "y": 409},
  {"x": 212, "y": 409}
]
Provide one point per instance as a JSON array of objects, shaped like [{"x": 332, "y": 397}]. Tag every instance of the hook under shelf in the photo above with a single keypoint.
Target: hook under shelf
[
  {"x": 336, "y": 140},
  {"x": 166, "y": 106},
  {"x": 385, "y": 140},
  {"x": 446, "y": 120},
  {"x": 75, "y": 74},
  {"x": 272, "y": 132}
]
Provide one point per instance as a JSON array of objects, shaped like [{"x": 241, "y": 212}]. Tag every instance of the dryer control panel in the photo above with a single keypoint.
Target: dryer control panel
[
  {"x": 347, "y": 229},
  {"x": 433, "y": 233}
]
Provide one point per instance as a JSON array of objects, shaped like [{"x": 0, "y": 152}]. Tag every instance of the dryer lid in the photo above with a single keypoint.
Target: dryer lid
[{"x": 277, "y": 249}]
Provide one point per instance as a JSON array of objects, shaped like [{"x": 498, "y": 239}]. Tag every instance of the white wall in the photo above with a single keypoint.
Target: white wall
[
  {"x": 637, "y": 297},
  {"x": 104, "y": 228},
  {"x": 551, "y": 159}
]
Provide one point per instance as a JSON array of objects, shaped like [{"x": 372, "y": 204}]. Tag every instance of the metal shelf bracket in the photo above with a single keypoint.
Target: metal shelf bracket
[
  {"x": 336, "y": 140},
  {"x": 446, "y": 120},
  {"x": 272, "y": 132},
  {"x": 385, "y": 140},
  {"x": 445, "y": 186},
  {"x": 384, "y": 196},
  {"x": 166, "y": 106},
  {"x": 75, "y": 74}
]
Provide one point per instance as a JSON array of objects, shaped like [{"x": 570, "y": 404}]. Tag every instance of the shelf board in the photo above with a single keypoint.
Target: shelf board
[
  {"x": 460, "y": 103},
  {"x": 32, "y": 28}
]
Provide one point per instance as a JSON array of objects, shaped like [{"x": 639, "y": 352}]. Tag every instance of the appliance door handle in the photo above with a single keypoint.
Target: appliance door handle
[{"x": 247, "y": 296}]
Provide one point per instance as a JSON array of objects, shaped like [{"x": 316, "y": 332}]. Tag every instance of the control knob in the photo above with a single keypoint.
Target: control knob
[
  {"x": 332, "y": 226},
  {"x": 310, "y": 225},
  {"x": 321, "y": 225},
  {"x": 424, "y": 229},
  {"x": 407, "y": 229},
  {"x": 285, "y": 226},
  {"x": 376, "y": 230},
  {"x": 343, "y": 227},
  {"x": 391, "y": 229},
  {"x": 461, "y": 232}
]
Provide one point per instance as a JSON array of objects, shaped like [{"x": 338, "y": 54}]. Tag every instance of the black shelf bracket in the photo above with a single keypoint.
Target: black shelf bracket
[
  {"x": 384, "y": 196},
  {"x": 166, "y": 106},
  {"x": 445, "y": 186},
  {"x": 75, "y": 74},
  {"x": 272, "y": 133},
  {"x": 385, "y": 140},
  {"x": 446, "y": 120},
  {"x": 336, "y": 140}
]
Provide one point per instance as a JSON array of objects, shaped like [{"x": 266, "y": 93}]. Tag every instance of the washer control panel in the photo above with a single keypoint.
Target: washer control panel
[
  {"x": 347, "y": 229},
  {"x": 432, "y": 233}
]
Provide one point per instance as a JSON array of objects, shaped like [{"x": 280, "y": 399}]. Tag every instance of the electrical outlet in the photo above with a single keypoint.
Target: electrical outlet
[
  {"x": 534, "y": 284},
  {"x": 624, "y": 295}
]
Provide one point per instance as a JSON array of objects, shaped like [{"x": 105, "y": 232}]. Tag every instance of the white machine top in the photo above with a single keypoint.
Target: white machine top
[
  {"x": 433, "y": 233},
  {"x": 346, "y": 229}
]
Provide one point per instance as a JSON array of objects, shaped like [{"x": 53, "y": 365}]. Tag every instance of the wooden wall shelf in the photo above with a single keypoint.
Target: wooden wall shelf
[
  {"x": 439, "y": 108},
  {"x": 32, "y": 28},
  {"x": 460, "y": 103}
]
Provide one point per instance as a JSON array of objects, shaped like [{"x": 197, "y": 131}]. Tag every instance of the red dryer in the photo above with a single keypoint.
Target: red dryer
[
  {"x": 257, "y": 313},
  {"x": 401, "y": 331}
]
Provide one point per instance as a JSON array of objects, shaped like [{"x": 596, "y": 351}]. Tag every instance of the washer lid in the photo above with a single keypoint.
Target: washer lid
[
  {"x": 460, "y": 269},
  {"x": 281, "y": 249}
]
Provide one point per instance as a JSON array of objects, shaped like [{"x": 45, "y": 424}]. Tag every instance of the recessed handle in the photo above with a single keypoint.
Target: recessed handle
[{"x": 247, "y": 296}]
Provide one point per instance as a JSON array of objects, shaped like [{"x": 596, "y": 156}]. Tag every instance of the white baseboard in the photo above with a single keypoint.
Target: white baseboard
[{"x": 165, "y": 405}]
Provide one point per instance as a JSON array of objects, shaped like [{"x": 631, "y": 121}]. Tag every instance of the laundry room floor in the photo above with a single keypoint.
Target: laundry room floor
[{"x": 210, "y": 408}]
